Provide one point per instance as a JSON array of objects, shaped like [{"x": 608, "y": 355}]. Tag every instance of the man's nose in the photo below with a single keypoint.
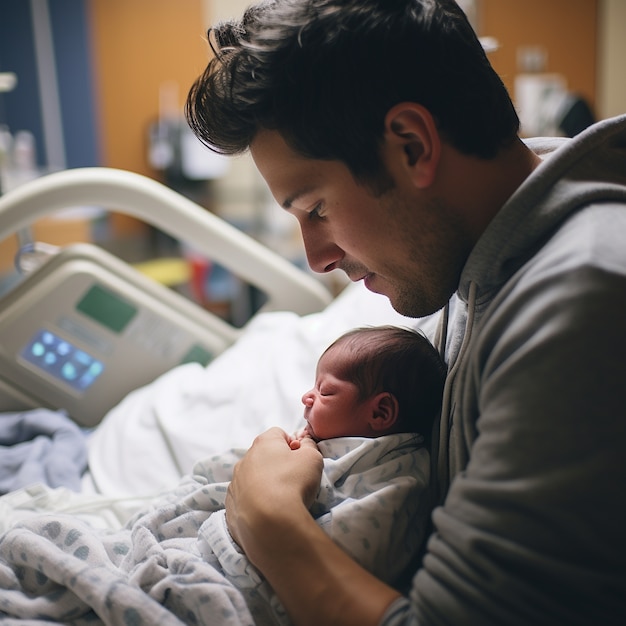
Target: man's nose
[{"x": 321, "y": 253}]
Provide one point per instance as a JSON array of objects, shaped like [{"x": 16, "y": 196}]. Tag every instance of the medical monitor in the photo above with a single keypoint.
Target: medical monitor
[{"x": 85, "y": 329}]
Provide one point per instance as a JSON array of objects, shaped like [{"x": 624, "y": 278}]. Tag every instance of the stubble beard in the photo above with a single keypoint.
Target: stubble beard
[{"x": 437, "y": 249}]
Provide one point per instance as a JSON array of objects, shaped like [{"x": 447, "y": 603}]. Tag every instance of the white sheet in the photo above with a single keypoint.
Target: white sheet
[{"x": 155, "y": 435}]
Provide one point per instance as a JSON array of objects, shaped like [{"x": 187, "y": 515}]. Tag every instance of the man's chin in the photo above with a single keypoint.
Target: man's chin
[{"x": 403, "y": 301}]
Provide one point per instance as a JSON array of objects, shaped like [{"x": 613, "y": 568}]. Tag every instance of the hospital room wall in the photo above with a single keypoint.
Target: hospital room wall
[
  {"x": 91, "y": 75},
  {"x": 583, "y": 40},
  {"x": 141, "y": 45},
  {"x": 46, "y": 46},
  {"x": 611, "y": 93},
  {"x": 141, "y": 48},
  {"x": 50, "y": 111},
  {"x": 546, "y": 54},
  {"x": 145, "y": 53}
]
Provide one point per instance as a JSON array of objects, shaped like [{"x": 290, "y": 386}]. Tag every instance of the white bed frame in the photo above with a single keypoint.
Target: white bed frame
[
  {"x": 286, "y": 286},
  {"x": 167, "y": 328}
]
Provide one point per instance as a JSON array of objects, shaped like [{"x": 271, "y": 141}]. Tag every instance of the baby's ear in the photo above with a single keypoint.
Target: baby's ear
[{"x": 384, "y": 412}]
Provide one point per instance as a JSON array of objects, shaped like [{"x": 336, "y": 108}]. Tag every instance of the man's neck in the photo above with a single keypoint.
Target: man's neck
[{"x": 481, "y": 187}]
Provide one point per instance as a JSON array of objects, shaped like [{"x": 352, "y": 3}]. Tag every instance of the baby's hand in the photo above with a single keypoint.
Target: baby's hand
[{"x": 297, "y": 437}]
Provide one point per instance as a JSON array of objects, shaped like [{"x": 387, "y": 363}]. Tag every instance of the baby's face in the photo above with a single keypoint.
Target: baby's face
[{"x": 332, "y": 408}]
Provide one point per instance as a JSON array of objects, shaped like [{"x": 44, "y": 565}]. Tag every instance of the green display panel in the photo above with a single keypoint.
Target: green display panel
[
  {"x": 106, "y": 308},
  {"x": 197, "y": 354}
]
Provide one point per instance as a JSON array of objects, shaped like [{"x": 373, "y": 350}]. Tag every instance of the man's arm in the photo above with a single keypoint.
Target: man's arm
[{"x": 267, "y": 514}]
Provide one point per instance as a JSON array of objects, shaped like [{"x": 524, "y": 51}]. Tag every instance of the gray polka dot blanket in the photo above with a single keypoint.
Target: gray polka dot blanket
[{"x": 175, "y": 563}]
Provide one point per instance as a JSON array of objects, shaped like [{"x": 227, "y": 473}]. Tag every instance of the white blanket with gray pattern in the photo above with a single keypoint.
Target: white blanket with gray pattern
[{"x": 175, "y": 562}]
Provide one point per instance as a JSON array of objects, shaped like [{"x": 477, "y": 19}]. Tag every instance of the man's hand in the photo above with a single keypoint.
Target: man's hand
[
  {"x": 267, "y": 513},
  {"x": 271, "y": 477}
]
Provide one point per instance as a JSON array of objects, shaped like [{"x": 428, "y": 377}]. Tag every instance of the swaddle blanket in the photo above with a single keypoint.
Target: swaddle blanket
[{"x": 175, "y": 563}]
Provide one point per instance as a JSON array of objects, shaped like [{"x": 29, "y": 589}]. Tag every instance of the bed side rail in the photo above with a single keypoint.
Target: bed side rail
[{"x": 286, "y": 286}]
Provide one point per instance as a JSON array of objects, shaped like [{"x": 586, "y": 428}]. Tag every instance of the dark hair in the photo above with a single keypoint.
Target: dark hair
[
  {"x": 324, "y": 73},
  {"x": 400, "y": 361}
]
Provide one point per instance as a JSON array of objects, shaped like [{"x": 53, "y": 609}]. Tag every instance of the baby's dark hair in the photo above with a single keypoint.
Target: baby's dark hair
[{"x": 400, "y": 361}]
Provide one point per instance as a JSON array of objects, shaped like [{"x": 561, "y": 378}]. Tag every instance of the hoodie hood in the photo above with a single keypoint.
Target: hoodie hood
[
  {"x": 575, "y": 172},
  {"x": 588, "y": 169},
  {"x": 529, "y": 466}
]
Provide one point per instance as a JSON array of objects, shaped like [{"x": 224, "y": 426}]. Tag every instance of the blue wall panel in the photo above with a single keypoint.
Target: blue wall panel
[
  {"x": 76, "y": 82},
  {"x": 21, "y": 108}
]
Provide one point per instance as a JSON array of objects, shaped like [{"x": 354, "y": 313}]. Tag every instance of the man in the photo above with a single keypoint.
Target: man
[{"x": 380, "y": 125}]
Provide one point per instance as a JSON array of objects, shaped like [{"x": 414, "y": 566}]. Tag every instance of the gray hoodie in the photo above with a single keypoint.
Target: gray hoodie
[{"x": 531, "y": 460}]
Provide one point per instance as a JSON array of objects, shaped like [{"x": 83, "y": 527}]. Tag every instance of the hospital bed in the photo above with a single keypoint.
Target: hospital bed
[
  {"x": 85, "y": 329},
  {"x": 163, "y": 381},
  {"x": 151, "y": 412}
]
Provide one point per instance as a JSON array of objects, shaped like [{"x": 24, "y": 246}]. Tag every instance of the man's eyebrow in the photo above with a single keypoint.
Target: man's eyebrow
[{"x": 288, "y": 202}]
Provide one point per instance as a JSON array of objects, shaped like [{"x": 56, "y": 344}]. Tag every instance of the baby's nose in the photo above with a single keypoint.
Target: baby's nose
[{"x": 307, "y": 398}]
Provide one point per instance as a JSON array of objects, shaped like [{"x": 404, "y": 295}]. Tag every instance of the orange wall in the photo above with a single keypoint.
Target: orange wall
[
  {"x": 566, "y": 29},
  {"x": 139, "y": 46}
]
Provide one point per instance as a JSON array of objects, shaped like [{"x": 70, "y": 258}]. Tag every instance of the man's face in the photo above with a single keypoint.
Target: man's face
[{"x": 403, "y": 243}]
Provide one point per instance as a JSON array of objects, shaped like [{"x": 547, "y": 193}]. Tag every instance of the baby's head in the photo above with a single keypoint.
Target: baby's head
[{"x": 374, "y": 381}]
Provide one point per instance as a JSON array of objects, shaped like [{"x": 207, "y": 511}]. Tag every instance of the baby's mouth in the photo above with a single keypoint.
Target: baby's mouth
[{"x": 310, "y": 431}]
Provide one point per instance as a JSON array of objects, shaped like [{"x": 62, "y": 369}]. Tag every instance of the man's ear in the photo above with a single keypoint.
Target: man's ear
[
  {"x": 413, "y": 141},
  {"x": 384, "y": 413}
]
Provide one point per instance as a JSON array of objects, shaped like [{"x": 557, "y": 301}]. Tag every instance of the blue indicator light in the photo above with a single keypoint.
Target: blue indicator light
[
  {"x": 62, "y": 360},
  {"x": 69, "y": 371},
  {"x": 96, "y": 368},
  {"x": 82, "y": 357},
  {"x": 85, "y": 380}
]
